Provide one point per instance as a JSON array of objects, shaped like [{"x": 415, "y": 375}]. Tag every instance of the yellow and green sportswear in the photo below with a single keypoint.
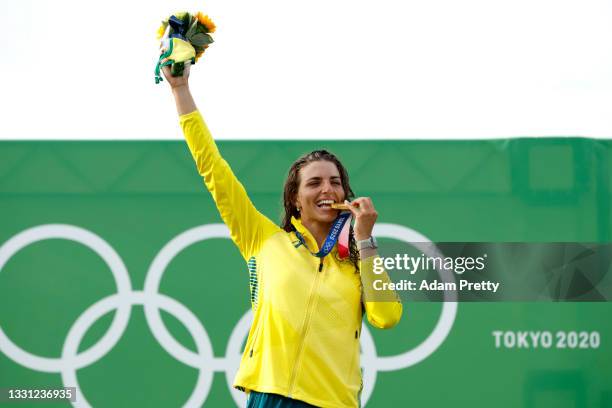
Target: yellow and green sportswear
[{"x": 304, "y": 340}]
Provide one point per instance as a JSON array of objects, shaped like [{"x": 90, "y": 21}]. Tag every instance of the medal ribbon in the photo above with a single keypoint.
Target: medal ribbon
[
  {"x": 343, "y": 241},
  {"x": 338, "y": 232}
]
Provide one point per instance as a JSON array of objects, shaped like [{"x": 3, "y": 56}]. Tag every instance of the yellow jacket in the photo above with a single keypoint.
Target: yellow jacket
[{"x": 304, "y": 340}]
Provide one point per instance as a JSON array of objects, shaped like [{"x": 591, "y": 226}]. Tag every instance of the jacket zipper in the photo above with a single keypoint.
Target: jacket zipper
[{"x": 305, "y": 325}]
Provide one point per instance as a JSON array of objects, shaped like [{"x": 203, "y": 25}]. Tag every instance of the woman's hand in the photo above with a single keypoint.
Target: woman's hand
[
  {"x": 180, "y": 89},
  {"x": 365, "y": 216},
  {"x": 176, "y": 82}
]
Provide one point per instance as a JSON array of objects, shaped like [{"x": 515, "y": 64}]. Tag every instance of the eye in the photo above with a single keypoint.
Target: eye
[{"x": 336, "y": 182}]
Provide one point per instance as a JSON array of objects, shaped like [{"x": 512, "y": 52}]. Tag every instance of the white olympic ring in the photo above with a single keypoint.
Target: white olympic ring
[{"x": 203, "y": 360}]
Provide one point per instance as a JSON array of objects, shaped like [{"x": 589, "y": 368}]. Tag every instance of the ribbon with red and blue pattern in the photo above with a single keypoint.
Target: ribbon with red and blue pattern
[
  {"x": 339, "y": 232},
  {"x": 343, "y": 241}
]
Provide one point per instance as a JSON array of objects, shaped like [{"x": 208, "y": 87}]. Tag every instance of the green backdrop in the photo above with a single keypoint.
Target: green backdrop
[{"x": 138, "y": 196}]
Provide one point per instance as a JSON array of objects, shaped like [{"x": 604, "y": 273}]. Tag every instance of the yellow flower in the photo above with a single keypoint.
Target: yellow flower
[
  {"x": 161, "y": 30},
  {"x": 206, "y": 22}
]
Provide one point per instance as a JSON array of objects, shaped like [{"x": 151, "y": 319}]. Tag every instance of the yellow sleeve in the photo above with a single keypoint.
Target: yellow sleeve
[
  {"x": 383, "y": 307},
  {"x": 248, "y": 227}
]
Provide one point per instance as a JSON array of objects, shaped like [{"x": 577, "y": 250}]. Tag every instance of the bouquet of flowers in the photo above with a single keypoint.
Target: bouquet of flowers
[{"x": 184, "y": 37}]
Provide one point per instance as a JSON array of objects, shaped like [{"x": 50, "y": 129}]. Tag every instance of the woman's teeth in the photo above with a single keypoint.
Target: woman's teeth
[{"x": 325, "y": 203}]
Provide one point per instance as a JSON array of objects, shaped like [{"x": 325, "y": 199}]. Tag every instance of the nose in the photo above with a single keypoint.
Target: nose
[{"x": 326, "y": 186}]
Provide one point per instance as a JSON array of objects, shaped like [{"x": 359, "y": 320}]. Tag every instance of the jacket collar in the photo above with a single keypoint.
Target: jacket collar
[{"x": 310, "y": 241}]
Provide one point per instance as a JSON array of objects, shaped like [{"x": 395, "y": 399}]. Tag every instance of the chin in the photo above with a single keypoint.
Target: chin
[{"x": 327, "y": 217}]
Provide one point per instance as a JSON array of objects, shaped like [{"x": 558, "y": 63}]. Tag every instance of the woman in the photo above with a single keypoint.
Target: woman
[{"x": 303, "y": 346}]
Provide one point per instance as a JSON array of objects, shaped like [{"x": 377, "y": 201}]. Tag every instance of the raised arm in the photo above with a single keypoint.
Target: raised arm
[
  {"x": 248, "y": 227},
  {"x": 383, "y": 308}
]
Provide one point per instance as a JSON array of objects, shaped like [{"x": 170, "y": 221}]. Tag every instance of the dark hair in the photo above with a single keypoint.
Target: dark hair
[{"x": 292, "y": 184}]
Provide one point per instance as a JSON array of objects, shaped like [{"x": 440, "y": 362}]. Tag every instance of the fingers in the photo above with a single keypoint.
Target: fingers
[
  {"x": 365, "y": 215},
  {"x": 167, "y": 73},
  {"x": 362, "y": 204},
  {"x": 166, "y": 69},
  {"x": 365, "y": 203},
  {"x": 353, "y": 208}
]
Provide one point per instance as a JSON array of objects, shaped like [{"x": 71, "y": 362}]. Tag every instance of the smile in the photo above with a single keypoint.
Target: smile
[{"x": 325, "y": 203}]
